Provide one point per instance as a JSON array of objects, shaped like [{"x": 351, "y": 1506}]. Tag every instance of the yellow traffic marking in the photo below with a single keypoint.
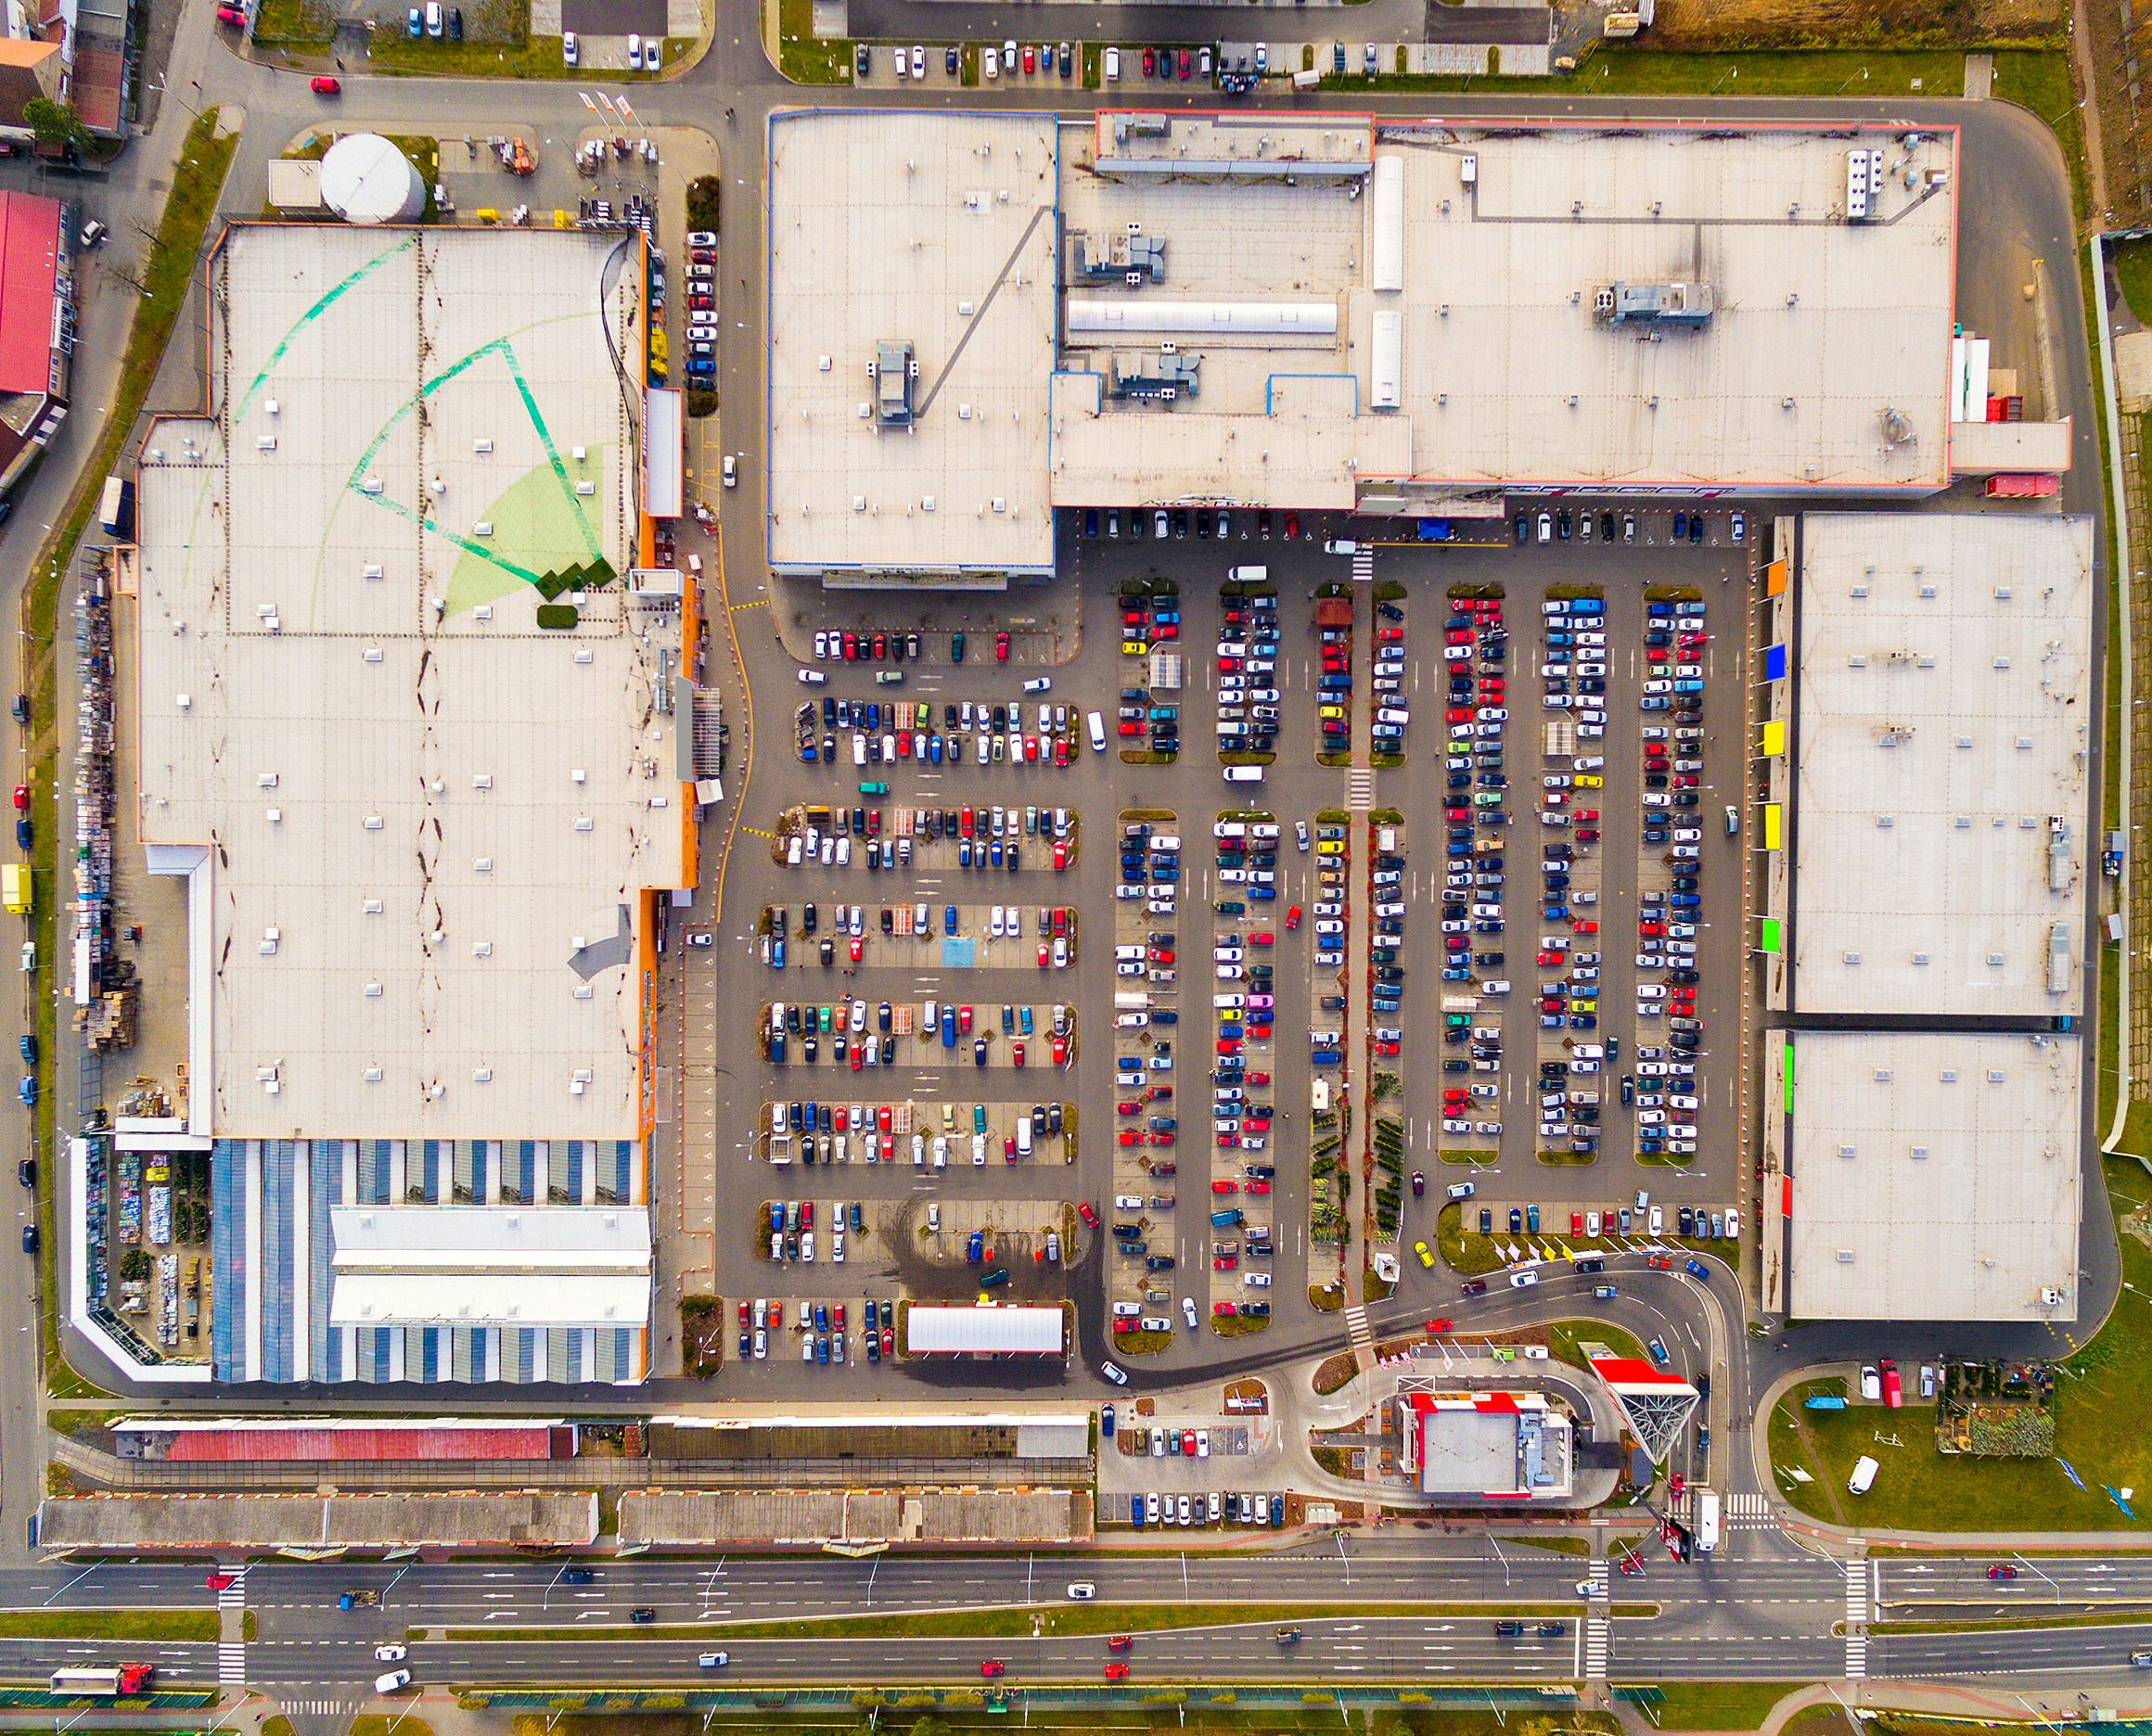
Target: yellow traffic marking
[
  {"x": 758, "y": 602},
  {"x": 758, "y": 832}
]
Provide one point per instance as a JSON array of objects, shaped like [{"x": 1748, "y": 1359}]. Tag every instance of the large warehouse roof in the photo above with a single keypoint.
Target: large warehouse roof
[
  {"x": 1012, "y": 1331},
  {"x": 1934, "y": 1175},
  {"x": 923, "y": 242},
  {"x": 1943, "y": 726},
  {"x": 421, "y": 822}
]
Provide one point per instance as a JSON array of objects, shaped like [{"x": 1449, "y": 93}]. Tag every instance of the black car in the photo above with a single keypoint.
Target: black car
[
  {"x": 455, "y": 24},
  {"x": 642, "y": 1613},
  {"x": 1473, "y": 1286},
  {"x": 26, "y": 1172}
]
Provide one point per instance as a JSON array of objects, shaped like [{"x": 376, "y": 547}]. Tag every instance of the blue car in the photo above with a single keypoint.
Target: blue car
[
  {"x": 27, "y": 1090},
  {"x": 974, "y": 1250},
  {"x": 413, "y": 23},
  {"x": 949, "y": 919},
  {"x": 1697, "y": 1268},
  {"x": 777, "y": 953}
]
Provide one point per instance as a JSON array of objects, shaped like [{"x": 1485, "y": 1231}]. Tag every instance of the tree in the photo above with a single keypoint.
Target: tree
[{"x": 55, "y": 124}]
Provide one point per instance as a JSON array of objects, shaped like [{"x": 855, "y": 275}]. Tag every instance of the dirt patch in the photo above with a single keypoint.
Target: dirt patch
[
  {"x": 1722, "y": 24},
  {"x": 1247, "y": 1397},
  {"x": 1334, "y": 1371}
]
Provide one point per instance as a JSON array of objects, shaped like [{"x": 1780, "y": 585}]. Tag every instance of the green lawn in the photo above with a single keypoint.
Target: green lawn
[
  {"x": 1563, "y": 1337},
  {"x": 2101, "y": 1402},
  {"x": 1717, "y": 1705},
  {"x": 800, "y": 56},
  {"x": 535, "y": 56},
  {"x": 104, "y": 1624}
]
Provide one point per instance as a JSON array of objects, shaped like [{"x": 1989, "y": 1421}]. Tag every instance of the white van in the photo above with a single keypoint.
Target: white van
[
  {"x": 393, "y": 1681},
  {"x": 1864, "y": 1477},
  {"x": 1023, "y": 1136},
  {"x": 1248, "y": 575},
  {"x": 1095, "y": 724},
  {"x": 1244, "y": 775}
]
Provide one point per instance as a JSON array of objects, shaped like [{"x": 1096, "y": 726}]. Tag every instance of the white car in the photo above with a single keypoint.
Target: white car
[
  {"x": 1657, "y": 1222},
  {"x": 391, "y": 1653},
  {"x": 1082, "y": 1592},
  {"x": 1188, "y": 1311},
  {"x": 568, "y": 56},
  {"x": 813, "y": 678},
  {"x": 1112, "y": 65},
  {"x": 989, "y": 59}
]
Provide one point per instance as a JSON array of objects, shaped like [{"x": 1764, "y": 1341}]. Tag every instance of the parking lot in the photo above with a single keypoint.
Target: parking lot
[{"x": 1211, "y": 978}]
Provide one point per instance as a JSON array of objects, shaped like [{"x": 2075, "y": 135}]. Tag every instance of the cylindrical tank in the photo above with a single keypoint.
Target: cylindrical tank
[{"x": 365, "y": 179}]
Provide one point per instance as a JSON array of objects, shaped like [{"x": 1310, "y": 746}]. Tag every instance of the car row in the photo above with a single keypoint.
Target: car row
[
  {"x": 1669, "y": 914},
  {"x": 909, "y": 62},
  {"x": 1247, "y": 660},
  {"x": 1146, "y": 1000},
  {"x": 1043, "y": 58},
  {"x": 1216, "y": 1507},
  {"x": 1392, "y": 704},
  {"x": 821, "y": 1327},
  {"x": 1244, "y": 1017},
  {"x": 1562, "y": 525}
]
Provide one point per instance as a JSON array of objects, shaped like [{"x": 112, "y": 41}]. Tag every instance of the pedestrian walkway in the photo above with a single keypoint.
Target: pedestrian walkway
[
  {"x": 1357, "y": 1328},
  {"x": 232, "y": 1625},
  {"x": 321, "y": 1708},
  {"x": 1361, "y": 789},
  {"x": 1749, "y": 1512},
  {"x": 1856, "y": 1620},
  {"x": 1598, "y": 1624},
  {"x": 1362, "y": 564}
]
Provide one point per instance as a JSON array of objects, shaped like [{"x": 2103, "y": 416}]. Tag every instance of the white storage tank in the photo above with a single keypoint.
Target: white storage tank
[{"x": 365, "y": 179}]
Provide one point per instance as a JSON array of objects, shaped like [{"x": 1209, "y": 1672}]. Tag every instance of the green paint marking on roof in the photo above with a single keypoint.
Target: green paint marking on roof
[
  {"x": 552, "y": 454},
  {"x": 314, "y": 313}
]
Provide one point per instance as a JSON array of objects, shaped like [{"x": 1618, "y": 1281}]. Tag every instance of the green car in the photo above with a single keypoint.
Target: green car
[
  {"x": 874, "y": 789},
  {"x": 978, "y": 1117}
]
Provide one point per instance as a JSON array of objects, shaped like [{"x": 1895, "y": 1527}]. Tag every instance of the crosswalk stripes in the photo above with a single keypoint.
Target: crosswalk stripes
[
  {"x": 232, "y": 1595},
  {"x": 1356, "y": 1325},
  {"x": 1598, "y": 1624},
  {"x": 1362, "y": 564},
  {"x": 231, "y": 1662},
  {"x": 1749, "y": 1512},
  {"x": 1856, "y": 1620},
  {"x": 320, "y": 1708},
  {"x": 1361, "y": 787}
]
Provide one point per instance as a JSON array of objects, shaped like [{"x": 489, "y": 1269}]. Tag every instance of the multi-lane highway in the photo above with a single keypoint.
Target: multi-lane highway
[{"x": 1756, "y": 1611}]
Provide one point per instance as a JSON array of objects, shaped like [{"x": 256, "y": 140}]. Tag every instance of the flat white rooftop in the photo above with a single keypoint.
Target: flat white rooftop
[
  {"x": 1935, "y": 1175},
  {"x": 935, "y": 230},
  {"x": 578, "y": 1266},
  {"x": 1464, "y": 267},
  {"x": 418, "y": 823},
  {"x": 1944, "y": 709}
]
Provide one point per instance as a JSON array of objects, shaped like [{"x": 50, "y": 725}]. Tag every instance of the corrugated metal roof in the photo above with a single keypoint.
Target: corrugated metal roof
[
  {"x": 29, "y": 254},
  {"x": 985, "y": 1331},
  {"x": 239, "y": 1445}
]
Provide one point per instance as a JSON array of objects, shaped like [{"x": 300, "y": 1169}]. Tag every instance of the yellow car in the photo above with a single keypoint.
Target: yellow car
[
  {"x": 1427, "y": 1259},
  {"x": 1331, "y": 847},
  {"x": 1330, "y": 711},
  {"x": 1134, "y": 648},
  {"x": 1590, "y": 779}
]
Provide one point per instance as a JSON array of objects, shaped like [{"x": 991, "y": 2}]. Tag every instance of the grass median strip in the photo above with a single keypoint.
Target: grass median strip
[
  {"x": 1020, "y": 1622},
  {"x": 2139, "y": 1617},
  {"x": 105, "y": 1624}
]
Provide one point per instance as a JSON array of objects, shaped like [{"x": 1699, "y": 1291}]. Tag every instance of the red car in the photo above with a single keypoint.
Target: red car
[
  {"x": 1150, "y": 63},
  {"x": 221, "y": 1581},
  {"x": 1117, "y": 1642},
  {"x": 1577, "y": 1223},
  {"x": 1660, "y": 1262},
  {"x": 1292, "y": 917},
  {"x": 1084, "y": 1211},
  {"x": 2001, "y": 1570},
  {"x": 993, "y": 1666},
  {"x": 324, "y": 86},
  {"x": 852, "y": 647},
  {"x": 1292, "y": 524},
  {"x": 1119, "y": 1672},
  {"x": 1259, "y": 1185},
  {"x": 1223, "y": 1187},
  {"x": 1435, "y": 1326},
  {"x": 1000, "y": 647},
  {"x": 1124, "y": 1109},
  {"x": 1130, "y": 1136}
]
